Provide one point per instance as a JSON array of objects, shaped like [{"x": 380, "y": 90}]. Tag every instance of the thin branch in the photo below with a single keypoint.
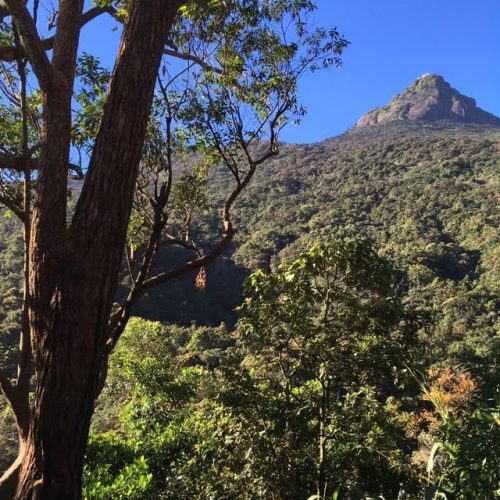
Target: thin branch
[
  {"x": 195, "y": 59},
  {"x": 8, "y": 87},
  {"x": 188, "y": 245}
]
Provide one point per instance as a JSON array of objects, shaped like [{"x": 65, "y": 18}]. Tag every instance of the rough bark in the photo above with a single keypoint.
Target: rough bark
[
  {"x": 322, "y": 422},
  {"x": 73, "y": 271}
]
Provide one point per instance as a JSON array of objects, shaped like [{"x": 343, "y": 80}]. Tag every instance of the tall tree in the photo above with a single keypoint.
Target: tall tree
[
  {"x": 233, "y": 86},
  {"x": 322, "y": 336}
]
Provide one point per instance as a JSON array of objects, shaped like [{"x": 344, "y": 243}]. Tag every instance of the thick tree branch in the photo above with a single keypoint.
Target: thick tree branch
[
  {"x": 205, "y": 259},
  {"x": 12, "y": 206},
  {"x": 67, "y": 38},
  {"x": 18, "y": 400},
  {"x": 10, "y": 53},
  {"x": 17, "y": 164},
  {"x": 24, "y": 364},
  {"x": 6, "y": 386},
  {"x": 112, "y": 175},
  {"x": 32, "y": 43}
]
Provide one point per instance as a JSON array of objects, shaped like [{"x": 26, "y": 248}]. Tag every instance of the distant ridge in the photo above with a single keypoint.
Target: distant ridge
[{"x": 430, "y": 98}]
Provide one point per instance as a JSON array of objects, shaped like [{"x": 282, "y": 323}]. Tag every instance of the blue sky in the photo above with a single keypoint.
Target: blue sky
[{"x": 393, "y": 42}]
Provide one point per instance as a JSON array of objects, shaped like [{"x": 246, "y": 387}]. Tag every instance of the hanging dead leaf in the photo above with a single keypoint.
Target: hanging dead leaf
[{"x": 201, "y": 279}]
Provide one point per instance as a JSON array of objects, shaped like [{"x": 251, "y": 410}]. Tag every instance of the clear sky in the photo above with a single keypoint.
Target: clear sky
[{"x": 393, "y": 42}]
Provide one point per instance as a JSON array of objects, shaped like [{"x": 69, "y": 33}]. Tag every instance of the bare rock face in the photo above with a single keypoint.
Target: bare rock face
[{"x": 430, "y": 98}]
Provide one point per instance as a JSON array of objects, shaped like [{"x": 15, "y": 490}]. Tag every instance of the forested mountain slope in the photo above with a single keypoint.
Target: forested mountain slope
[
  {"x": 425, "y": 191},
  {"x": 406, "y": 185}
]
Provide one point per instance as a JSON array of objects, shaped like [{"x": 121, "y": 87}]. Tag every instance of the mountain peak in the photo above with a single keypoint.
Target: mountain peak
[{"x": 430, "y": 98}]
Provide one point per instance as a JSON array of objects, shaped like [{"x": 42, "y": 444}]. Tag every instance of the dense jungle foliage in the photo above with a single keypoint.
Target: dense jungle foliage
[
  {"x": 363, "y": 360},
  {"x": 427, "y": 194},
  {"x": 324, "y": 386}
]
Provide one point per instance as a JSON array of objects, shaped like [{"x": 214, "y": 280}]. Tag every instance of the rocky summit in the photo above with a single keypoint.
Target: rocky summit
[{"x": 430, "y": 98}]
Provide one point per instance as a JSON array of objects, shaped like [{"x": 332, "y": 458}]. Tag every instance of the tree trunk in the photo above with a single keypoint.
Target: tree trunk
[
  {"x": 73, "y": 271},
  {"x": 322, "y": 438}
]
